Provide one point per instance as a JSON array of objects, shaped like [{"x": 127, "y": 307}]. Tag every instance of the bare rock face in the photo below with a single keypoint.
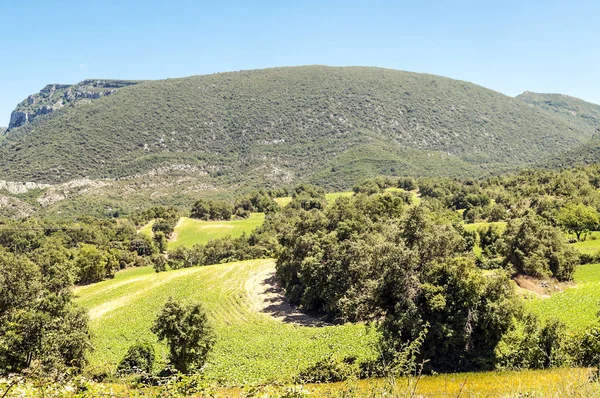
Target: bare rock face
[{"x": 55, "y": 96}]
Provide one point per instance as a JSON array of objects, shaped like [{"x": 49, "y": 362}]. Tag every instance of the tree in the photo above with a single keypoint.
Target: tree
[
  {"x": 201, "y": 210},
  {"x": 577, "y": 218},
  {"x": 188, "y": 333},
  {"x": 38, "y": 322},
  {"x": 165, "y": 226},
  {"x": 535, "y": 248},
  {"x": 92, "y": 264}
]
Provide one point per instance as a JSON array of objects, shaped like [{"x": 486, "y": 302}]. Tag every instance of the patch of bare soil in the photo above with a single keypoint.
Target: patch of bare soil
[
  {"x": 541, "y": 287},
  {"x": 174, "y": 235},
  {"x": 267, "y": 296}
]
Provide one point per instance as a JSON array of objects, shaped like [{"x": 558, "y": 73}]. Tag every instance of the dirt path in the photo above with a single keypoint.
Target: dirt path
[
  {"x": 267, "y": 296},
  {"x": 174, "y": 235}
]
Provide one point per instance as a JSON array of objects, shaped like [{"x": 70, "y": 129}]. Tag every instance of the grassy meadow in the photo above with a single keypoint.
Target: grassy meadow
[
  {"x": 252, "y": 346},
  {"x": 553, "y": 383},
  {"x": 576, "y": 306}
]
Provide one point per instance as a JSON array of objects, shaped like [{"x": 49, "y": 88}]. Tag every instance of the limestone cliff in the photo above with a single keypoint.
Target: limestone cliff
[{"x": 55, "y": 96}]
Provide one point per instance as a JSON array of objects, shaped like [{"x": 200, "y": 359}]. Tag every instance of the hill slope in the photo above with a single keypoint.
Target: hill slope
[
  {"x": 255, "y": 344},
  {"x": 323, "y": 124},
  {"x": 580, "y": 114}
]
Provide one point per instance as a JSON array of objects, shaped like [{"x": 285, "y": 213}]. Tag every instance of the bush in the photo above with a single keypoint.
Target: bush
[
  {"x": 138, "y": 359},
  {"x": 329, "y": 370}
]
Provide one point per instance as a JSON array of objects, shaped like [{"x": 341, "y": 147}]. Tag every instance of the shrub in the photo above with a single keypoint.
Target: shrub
[
  {"x": 329, "y": 370},
  {"x": 138, "y": 359}
]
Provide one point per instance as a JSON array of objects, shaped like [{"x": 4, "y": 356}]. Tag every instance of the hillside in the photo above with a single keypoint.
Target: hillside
[
  {"x": 577, "y": 113},
  {"x": 274, "y": 126},
  {"x": 259, "y": 340}
]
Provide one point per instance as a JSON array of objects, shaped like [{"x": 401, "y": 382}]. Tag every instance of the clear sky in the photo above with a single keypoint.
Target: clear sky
[{"x": 509, "y": 46}]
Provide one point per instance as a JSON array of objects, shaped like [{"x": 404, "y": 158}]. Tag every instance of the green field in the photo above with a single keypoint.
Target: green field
[
  {"x": 576, "y": 306},
  {"x": 332, "y": 196},
  {"x": 477, "y": 225},
  {"x": 525, "y": 383},
  {"x": 147, "y": 229},
  {"x": 282, "y": 202},
  {"x": 590, "y": 245},
  {"x": 189, "y": 232},
  {"x": 252, "y": 346}
]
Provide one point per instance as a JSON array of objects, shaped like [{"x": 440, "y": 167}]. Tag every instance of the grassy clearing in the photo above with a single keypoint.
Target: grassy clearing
[
  {"x": 476, "y": 225},
  {"x": 329, "y": 197},
  {"x": 282, "y": 202},
  {"x": 527, "y": 383},
  {"x": 332, "y": 196},
  {"x": 147, "y": 229},
  {"x": 253, "y": 347},
  {"x": 191, "y": 232},
  {"x": 576, "y": 306},
  {"x": 590, "y": 245}
]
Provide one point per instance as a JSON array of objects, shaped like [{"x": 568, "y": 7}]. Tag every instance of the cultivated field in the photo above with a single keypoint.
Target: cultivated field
[
  {"x": 189, "y": 232},
  {"x": 576, "y": 306},
  {"x": 258, "y": 341}
]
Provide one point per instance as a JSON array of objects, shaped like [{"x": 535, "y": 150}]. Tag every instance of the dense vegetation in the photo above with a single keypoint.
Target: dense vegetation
[
  {"x": 438, "y": 291},
  {"x": 332, "y": 126}
]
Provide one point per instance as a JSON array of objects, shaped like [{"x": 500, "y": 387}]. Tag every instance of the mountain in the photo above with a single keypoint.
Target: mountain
[
  {"x": 56, "y": 96},
  {"x": 576, "y": 112},
  {"x": 580, "y": 115},
  {"x": 315, "y": 122},
  {"x": 171, "y": 141}
]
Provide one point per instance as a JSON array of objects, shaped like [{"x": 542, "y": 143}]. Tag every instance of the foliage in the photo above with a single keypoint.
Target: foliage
[
  {"x": 138, "y": 359},
  {"x": 38, "y": 322},
  {"x": 537, "y": 249},
  {"x": 530, "y": 344},
  {"x": 577, "y": 218},
  {"x": 188, "y": 333},
  {"x": 211, "y": 210},
  {"x": 329, "y": 370}
]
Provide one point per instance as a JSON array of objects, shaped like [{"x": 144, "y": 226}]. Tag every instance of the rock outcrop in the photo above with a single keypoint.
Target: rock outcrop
[{"x": 55, "y": 96}]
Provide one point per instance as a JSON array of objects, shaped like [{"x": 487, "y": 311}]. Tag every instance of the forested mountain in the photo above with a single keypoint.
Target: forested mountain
[{"x": 327, "y": 125}]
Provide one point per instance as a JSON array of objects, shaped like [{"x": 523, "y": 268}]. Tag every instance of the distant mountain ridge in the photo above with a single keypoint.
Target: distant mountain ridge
[
  {"x": 575, "y": 111},
  {"x": 327, "y": 125}
]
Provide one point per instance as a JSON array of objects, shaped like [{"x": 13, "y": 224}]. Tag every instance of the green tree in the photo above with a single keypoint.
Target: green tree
[
  {"x": 201, "y": 210},
  {"x": 38, "y": 322},
  {"x": 534, "y": 248},
  {"x": 577, "y": 218},
  {"x": 188, "y": 333},
  {"x": 92, "y": 264}
]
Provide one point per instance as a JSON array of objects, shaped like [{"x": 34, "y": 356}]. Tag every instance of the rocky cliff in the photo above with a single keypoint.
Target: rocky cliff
[{"x": 55, "y": 96}]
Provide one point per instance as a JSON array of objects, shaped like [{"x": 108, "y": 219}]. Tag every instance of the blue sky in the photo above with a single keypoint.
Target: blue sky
[{"x": 509, "y": 46}]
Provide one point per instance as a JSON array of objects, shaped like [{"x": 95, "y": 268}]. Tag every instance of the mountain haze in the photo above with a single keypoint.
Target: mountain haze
[{"x": 328, "y": 125}]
